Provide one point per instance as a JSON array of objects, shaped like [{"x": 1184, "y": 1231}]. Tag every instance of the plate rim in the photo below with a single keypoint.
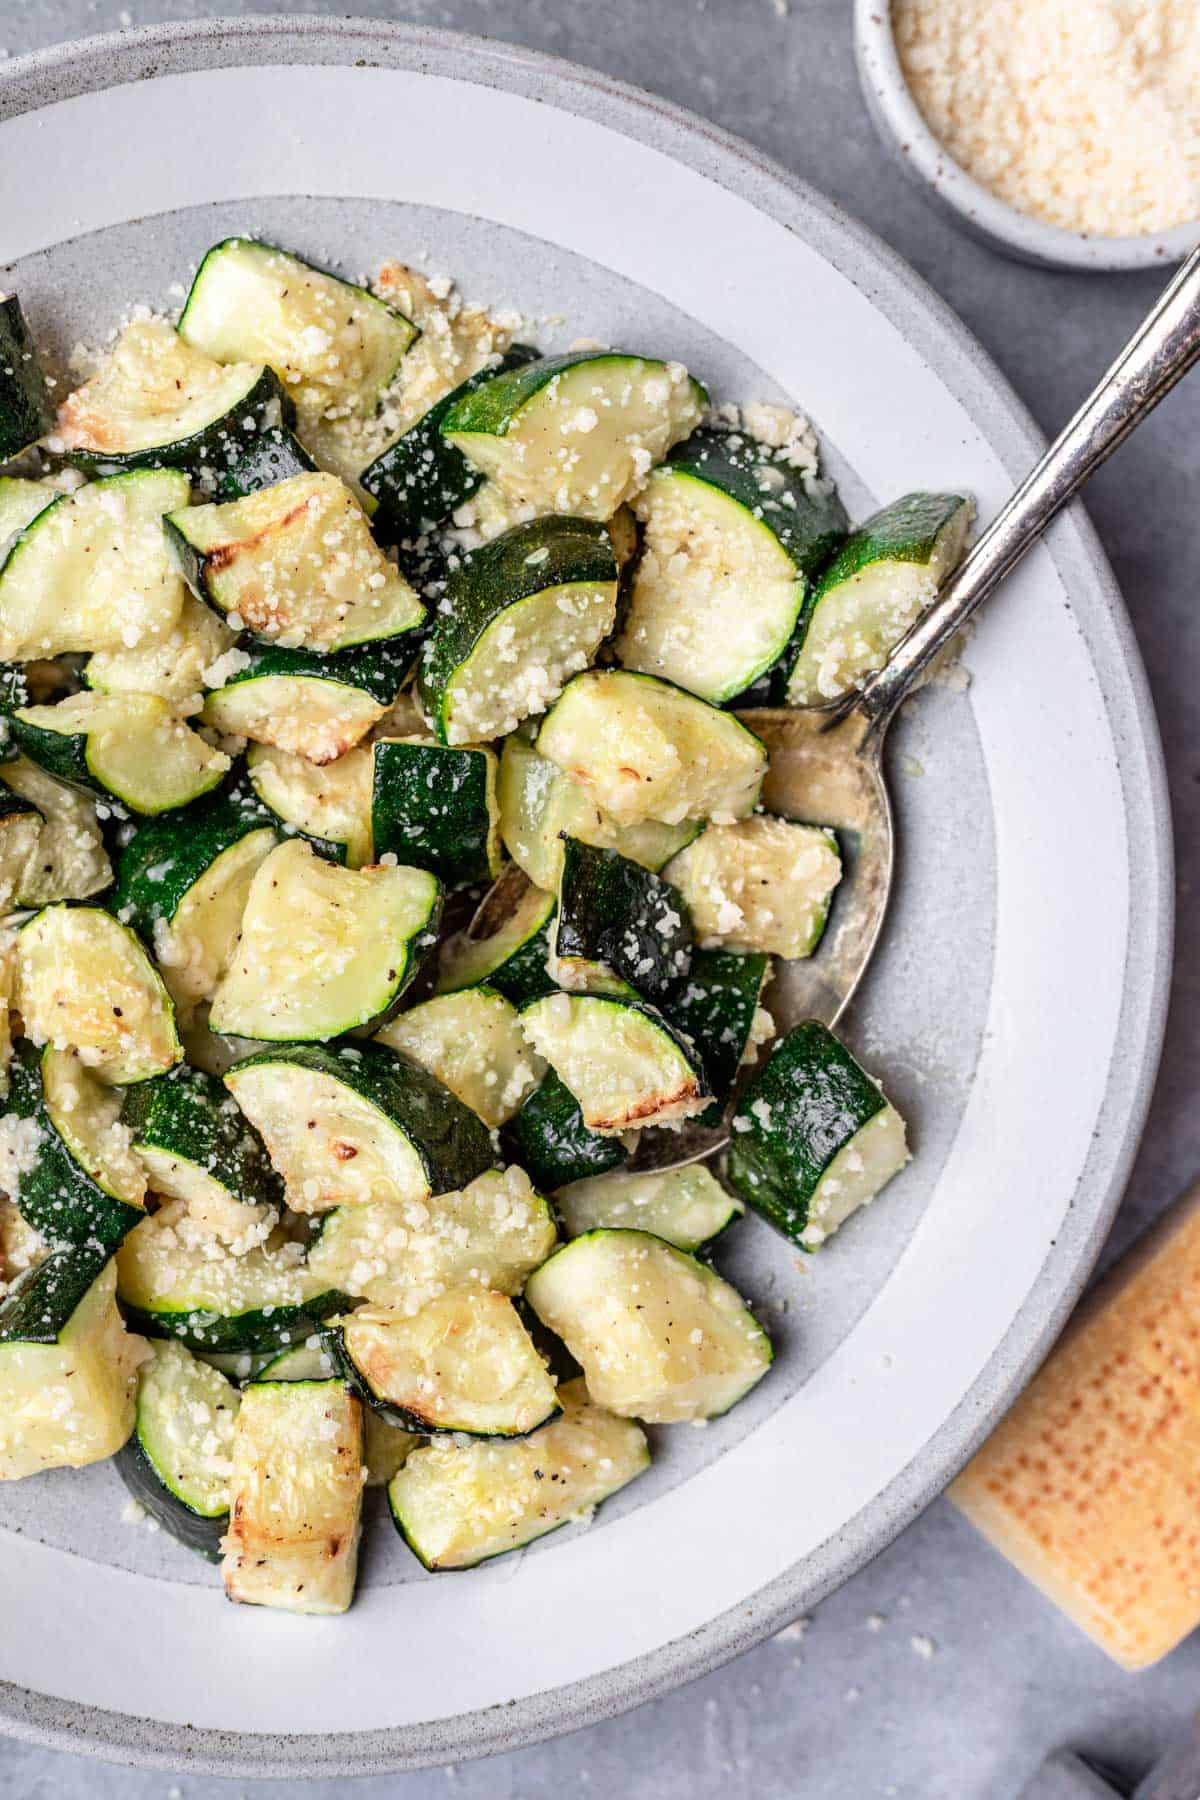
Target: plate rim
[{"x": 112, "y": 59}]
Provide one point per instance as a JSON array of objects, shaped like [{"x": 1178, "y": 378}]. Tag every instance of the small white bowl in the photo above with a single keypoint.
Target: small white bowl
[{"x": 917, "y": 151}]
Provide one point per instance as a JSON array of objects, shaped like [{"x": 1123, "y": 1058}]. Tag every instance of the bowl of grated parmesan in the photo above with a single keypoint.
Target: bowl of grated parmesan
[{"x": 1062, "y": 132}]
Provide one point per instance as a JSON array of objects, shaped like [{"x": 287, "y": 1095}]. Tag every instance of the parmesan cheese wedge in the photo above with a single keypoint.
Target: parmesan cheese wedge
[{"x": 1091, "y": 1486}]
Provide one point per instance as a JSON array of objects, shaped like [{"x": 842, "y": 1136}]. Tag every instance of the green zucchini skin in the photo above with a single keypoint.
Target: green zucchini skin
[
  {"x": 191, "y": 1529},
  {"x": 714, "y": 1006},
  {"x": 216, "y": 446},
  {"x": 499, "y": 575},
  {"x": 166, "y": 856},
  {"x": 271, "y": 455},
  {"x": 58, "y": 1197},
  {"x": 903, "y": 531},
  {"x": 420, "y": 479},
  {"x": 807, "y": 1101},
  {"x": 25, "y": 410},
  {"x": 490, "y": 408},
  {"x": 378, "y": 669},
  {"x": 62, "y": 755},
  {"x": 188, "y": 1113},
  {"x": 40, "y": 1303},
  {"x": 452, "y": 1143},
  {"x": 613, "y": 911},
  {"x": 811, "y": 527},
  {"x": 434, "y": 807},
  {"x": 257, "y": 1330},
  {"x": 550, "y": 1141}
]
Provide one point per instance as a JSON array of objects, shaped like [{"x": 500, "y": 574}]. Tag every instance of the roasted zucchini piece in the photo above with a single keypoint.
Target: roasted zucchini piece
[
  {"x": 327, "y": 803},
  {"x": 760, "y": 884},
  {"x": 813, "y": 1138},
  {"x": 549, "y": 1138},
  {"x": 177, "y": 1462},
  {"x": 68, "y": 1368},
  {"x": 624, "y": 1063},
  {"x": 315, "y": 706},
  {"x": 157, "y": 402},
  {"x": 323, "y": 949},
  {"x": 732, "y": 539},
  {"x": 70, "y": 860},
  {"x": 659, "y": 1335},
  {"x": 464, "y": 1362},
  {"x": 197, "y": 1147},
  {"x": 621, "y": 917},
  {"x": 358, "y": 1123},
  {"x": 69, "y": 1163},
  {"x": 126, "y": 747},
  {"x": 91, "y": 570},
  {"x": 686, "y": 1206},
  {"x": 84, "y": 983},
  {"x": 507, "y": 944},
  {"x": 295, "y": 1497},
  {"x": 472, "y": 1042},
  {"x": 295, "y": 564},
  {"x": 458, "y": 1504},
  {"x": 434, "y": 807},
  {"x": 177, "y": 665},
  {"x": 642, "y": 749},
  {"x": 718, "y": 1008},
  {"x": 577, "y": 433},
  {"x": 523, "y": 614},
  {"x": 492, "y": 1233}
]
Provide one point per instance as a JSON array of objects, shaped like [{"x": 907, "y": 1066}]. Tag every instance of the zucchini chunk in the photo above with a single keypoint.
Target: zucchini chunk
[
  {"x": 625, "y": 1065},
  {"x": 329, "y": 804},
  {"x": 491, "y": 1233},
  {"x": 70, "y": 861},
  {"x": 576, "y": 433},
  {"x": 540, "y": 807},
  {"x": 295, "y": 1497},
  {"x": 615, "y": 913},
  {"x": 507, "y": 944},
  {"x": 68, "y": 1368},
  {"x": 334, "y": 344},
  {"x": 549, "y": 1138},
  {"x": 314, "y": 706},
  {"x": 177, "y": 1462},
  {"x": 323, "y": 949},
  {"x": 761, "y": 884},
  {"x": 21, "y": 1246},
  {"x": 813, "y": 1138},
  {"x": 642, "y": 749},
  {"x": 66, "y": 1160},
  {"x": 435, "y": 808},
  {"x": 472, "y": 1042},
  {"x": 84, "y": 983},
  {"x": 174, "y": 665},
  {"x": 273, "y": 455},
  {"x": 732, "y": 539},
  {"x": 464, "y": 1362},
  {"x": 386, "y": 1447},
  {"x": 157, "y": 402},
  {"x": 20, "y": 833},
  {"x": 91, "y": 570},
  {"x": 873, "y": 593},
  {"x": 719, "y": 1009},
  {"x": 197, "y": 1147},
  {"x": 458, "y": 1504},
  {"x": 127, "y": 747},
  {"x": 659, "y": 1335},
  {"x": 183, "y": 881},
  {"x": 687, "y": 1206},
  {"x": 176, "y": 1280},
  {"x": 422, "y": 478},
  {"x": 356, "y": 1124},
  {"x": 294, "y": 564},
  {"x": 524, "y": 613},
  {"x": 25, "y": 410}
]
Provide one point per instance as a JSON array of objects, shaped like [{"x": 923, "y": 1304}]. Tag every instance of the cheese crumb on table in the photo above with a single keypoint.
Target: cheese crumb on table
[{"x": 1081, "y": 112}]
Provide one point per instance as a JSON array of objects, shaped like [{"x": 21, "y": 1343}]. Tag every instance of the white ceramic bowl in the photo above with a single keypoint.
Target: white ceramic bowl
[{"x": 926, "y": 161}]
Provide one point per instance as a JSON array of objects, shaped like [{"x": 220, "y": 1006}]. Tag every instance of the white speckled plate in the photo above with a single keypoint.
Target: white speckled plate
[{"x": 1016, "y": 1007}]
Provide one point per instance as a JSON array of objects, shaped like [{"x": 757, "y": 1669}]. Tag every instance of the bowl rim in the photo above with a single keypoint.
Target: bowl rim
[
  {"x": 901, "y": 124},
  {"x": 143, "y": 53}
]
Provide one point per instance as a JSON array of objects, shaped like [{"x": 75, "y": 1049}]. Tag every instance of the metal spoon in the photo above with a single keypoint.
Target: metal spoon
[{"x": 827, "y": 762}]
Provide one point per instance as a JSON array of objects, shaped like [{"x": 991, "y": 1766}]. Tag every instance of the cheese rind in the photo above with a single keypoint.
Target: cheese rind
[{"x": 1091, "y": 1485}]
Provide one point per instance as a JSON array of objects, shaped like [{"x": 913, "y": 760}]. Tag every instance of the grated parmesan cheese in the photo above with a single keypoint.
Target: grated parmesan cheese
[{"x": 1081, "y": 112}]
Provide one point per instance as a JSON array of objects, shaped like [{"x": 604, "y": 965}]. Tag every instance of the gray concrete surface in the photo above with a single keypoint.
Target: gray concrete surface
[{"x": 936, "y": 1674}]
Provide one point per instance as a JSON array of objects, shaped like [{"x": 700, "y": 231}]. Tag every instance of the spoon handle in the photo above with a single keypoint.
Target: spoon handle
[{"x": 1160, "y": 352}]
